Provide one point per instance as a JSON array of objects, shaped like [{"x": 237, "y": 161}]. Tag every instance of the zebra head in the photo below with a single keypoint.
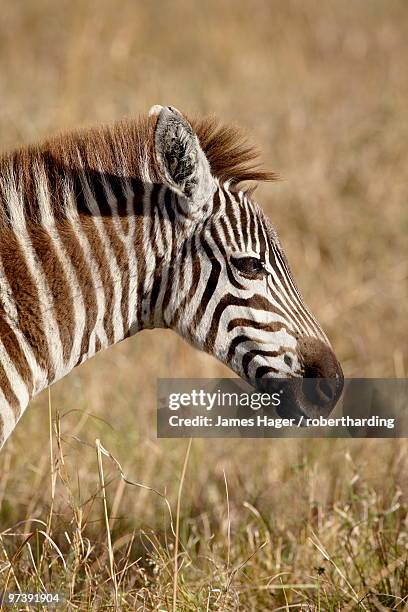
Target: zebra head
[{"x": 233, "y": 293}]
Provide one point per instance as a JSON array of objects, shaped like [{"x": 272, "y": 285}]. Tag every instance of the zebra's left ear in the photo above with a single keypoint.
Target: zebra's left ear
[{"x": 181, "y": 161}]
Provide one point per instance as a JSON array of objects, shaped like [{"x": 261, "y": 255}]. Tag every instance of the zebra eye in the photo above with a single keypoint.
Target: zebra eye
[{"x": 248, "y": 266}]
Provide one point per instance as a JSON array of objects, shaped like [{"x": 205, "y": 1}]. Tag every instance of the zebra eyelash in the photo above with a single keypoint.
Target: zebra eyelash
[
  {"x": 265, "y": 272},
  {"x": 248, "y": 265}
]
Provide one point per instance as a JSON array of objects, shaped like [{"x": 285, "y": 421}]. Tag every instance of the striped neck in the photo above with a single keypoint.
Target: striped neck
[{"x": 75, "y": 283}]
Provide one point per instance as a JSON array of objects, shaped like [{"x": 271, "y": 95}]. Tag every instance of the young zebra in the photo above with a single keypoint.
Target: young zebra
[{"x": 110, "y": 231}]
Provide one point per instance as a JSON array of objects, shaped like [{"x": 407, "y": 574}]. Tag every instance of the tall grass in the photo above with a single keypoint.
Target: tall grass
[{"x": 299, "y": 531}]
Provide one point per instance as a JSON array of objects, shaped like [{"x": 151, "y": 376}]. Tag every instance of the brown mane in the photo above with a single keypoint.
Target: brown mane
[
  {"x": 124, "y": 149},
  {"x": 230, "y": 155}
]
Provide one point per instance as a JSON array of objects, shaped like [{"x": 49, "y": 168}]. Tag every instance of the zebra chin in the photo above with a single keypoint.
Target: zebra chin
[{"x": 312, "y": 392}]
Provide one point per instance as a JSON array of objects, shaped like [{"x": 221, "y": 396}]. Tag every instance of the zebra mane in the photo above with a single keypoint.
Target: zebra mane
[
  {"x": 232, "y": 158},
  {"x": 123, "y": 150}
]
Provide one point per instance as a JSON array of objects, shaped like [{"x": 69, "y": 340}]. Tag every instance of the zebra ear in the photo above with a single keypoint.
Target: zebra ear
[{"x": 181, "y": 161}]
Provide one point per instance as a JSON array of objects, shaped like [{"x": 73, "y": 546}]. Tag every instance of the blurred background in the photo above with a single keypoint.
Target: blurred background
[{"x": 322, "y": 89}]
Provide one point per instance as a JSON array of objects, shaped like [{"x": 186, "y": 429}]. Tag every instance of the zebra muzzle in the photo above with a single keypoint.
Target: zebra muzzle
[{"x": 318, "y": 391}]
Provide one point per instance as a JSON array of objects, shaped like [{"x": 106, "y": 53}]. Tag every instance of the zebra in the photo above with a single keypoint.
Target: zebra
[{"x": 142, "y": 224}]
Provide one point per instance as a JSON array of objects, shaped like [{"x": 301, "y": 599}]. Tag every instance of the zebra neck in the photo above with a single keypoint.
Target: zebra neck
[{"x": 74, "y": 285}]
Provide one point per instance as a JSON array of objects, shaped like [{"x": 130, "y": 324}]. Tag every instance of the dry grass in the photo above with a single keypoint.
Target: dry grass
[{"x": 319, "y": 525}]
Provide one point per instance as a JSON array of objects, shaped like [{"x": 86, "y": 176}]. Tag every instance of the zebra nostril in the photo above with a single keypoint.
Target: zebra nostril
[
  {"x": 320, "y": 392},
  {"x": 323, "y": 378},
  {"x": 326, "y": 389}
]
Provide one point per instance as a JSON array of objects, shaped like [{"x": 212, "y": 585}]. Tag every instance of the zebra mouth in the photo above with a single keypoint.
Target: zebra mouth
[{"x": 294, "y": 413}]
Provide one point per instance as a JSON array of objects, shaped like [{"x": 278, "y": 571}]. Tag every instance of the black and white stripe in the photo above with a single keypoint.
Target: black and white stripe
[{"x": 89, "y": 257}]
